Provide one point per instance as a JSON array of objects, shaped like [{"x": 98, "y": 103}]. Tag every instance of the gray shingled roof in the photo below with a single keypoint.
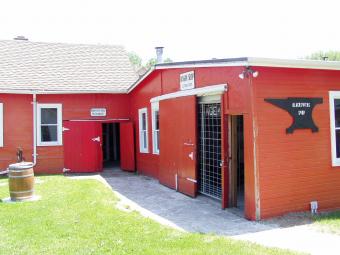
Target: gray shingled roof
[{"x": 36, "y": 66}]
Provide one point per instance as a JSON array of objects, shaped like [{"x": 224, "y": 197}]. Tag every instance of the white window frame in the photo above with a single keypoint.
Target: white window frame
[
  {"x": 155, "y": 133},
  {"x": 1, "y": 125},
  {"x": 332, "y": 96},
  {"x": 59, "y": 141},
  {"x": 143, "y": 148}
]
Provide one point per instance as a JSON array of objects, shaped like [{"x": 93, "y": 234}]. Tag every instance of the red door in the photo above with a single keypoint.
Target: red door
[
  {"x": 178, "y": 144},
  {"x": 127, "y": 146},
  {"x": 83, "y": 146}
]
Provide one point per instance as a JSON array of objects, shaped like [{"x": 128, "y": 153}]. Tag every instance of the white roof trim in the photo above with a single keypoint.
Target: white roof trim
[
  {"x": 251, "y": 61},
  {"x": 294, "y": 63},
  {"x": 204, "y": 91},
  {"x": 196, "y": 65},
  {"x": 39, "y": 92}
]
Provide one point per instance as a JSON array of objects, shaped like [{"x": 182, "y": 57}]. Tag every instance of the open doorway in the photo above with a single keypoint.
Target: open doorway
[
  {"x": 111, "y": 148},
  {"x": 236, "y": 154}
]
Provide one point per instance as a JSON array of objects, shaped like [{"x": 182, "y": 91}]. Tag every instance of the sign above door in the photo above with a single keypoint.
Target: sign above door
[
  {"x": 187, "y": 80},
  {"x": 98, "y": 112}
]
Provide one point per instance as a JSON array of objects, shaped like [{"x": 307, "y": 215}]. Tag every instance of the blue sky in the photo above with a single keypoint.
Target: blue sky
[{"x": 187, "y": 29}]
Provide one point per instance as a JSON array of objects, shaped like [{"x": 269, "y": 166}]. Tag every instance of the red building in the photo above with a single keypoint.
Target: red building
[{"x": 258, "y": 134}]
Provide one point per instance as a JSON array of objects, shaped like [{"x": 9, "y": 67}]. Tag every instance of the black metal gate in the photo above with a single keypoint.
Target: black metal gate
[{"x": 209, "y": 122}]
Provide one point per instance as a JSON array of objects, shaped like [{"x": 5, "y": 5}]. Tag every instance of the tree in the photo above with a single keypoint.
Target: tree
[
  {"x": 325, "y": 55},
  {"x": 135, "y": 60},
  {"x": 153, "y": 61}
]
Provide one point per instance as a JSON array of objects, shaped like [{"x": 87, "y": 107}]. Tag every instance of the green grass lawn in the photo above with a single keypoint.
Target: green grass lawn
[
  {"x": 80, "y": 217},
  {"x": 328, "y": 222}
]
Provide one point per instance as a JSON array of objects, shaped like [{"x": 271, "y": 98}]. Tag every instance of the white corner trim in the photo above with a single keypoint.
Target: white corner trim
[
  {"x": 333, "y": 95},
  {"x": 204, "y": 91}
]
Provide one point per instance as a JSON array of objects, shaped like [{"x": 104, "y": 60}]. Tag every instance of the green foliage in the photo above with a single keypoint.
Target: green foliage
[
  {"x": 81, "y": 217},
  {"x": 135, "y": 60},
  {"x": 328, "y": 222},
  {"x": 322, "y": 55},
  {"x": 153, "y": 61}
]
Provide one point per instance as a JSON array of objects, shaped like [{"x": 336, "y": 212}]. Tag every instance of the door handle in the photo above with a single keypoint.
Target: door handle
[{"x": 96, "y": 139}]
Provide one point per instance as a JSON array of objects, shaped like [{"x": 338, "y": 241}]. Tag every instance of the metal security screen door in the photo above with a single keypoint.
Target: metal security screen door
[{"x": 209, "y": 122}]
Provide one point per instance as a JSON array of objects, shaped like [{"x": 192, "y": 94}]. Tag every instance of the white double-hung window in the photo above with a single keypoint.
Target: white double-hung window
[
  {"x": 49, "y": 124},
  {"x": 1, "y": 125},
  {"x": 334, "y": 103},
  {"x": 143, "y": 130},
  {"x": 155, "y": 127}
]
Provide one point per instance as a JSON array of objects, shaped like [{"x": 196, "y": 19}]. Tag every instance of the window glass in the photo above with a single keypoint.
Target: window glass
[
  {"x": 49, "y": 124},
  {"x": 144, "y": 139},
  {"x": 337, "y": 143},
  {"x": 337, "y": 112},
  {"x": 157, "y": 119},
  {"x": 49, "y": 133},
  {"x": 143, "y": 121},
  {"x": 49, "y": 116},
  {"x": 143, "y": 130}
]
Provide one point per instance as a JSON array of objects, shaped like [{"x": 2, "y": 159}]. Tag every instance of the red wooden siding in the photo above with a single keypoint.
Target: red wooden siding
[
  {"x": 18, "y": 124},
  {"x": 146, "y": 163},
  {"x": 18, "y": 128},
  {"x": 127, "y": 147},
  {"x": 295, "y": 168},
  {"x": 178, "y": 144},
  {"x": 235, "y": 101},
  {"x": 83, "y": 146}
]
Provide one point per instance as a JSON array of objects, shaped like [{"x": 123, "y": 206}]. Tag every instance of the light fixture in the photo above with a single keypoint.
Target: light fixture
[{"x": 248, "y": 71}]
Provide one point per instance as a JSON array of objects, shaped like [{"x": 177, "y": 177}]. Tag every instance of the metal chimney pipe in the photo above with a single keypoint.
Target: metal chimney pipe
[
  {"x": 159, "y": 53},
  {"x": 20, "y": 38}
]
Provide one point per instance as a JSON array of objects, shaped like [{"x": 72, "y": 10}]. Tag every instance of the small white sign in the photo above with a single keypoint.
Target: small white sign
[
  {"x": 98, "y": 112},
  {"x": 187, "y": 80}
]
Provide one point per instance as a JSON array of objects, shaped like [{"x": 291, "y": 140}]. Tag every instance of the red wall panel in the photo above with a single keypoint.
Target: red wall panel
[
  {"x": 18, "y": 128},
  {"x": 295, "y": 168},
  {"x": 18, "y": 124}
]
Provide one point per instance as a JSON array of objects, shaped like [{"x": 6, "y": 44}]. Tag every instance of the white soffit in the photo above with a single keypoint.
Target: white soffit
[{"x": 204, "y": 91}]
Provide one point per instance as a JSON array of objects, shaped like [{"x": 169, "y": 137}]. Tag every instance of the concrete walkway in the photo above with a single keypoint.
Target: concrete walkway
[{"x": 203, "y": 215}]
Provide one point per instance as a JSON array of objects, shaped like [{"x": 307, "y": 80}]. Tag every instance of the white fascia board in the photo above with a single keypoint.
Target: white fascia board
[
  {"x": 294, "y": 63},
  {"x": 208, "y": 90},
  {"x": 197, "y": 65},
  {"x": 55, "y": 92}
]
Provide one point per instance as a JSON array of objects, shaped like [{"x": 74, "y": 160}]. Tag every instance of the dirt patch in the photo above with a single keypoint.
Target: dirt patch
[{"x": 291, "y": 220}]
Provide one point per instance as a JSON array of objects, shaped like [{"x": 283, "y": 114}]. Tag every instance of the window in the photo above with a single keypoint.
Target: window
[
  {"x": 334, "y": 101},
  {"x": 155, "y": 127},
  {"x": 143, "y": 130},
  {"x": 1, "y": 125},
  {"x": 49, "y": 124}
]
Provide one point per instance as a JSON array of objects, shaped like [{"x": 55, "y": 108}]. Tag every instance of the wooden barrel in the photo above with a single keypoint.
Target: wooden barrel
[{"x": 21, "y": 181}]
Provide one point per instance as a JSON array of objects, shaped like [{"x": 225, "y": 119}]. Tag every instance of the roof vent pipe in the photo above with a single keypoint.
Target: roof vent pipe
[
  {"x": 21, "y": 38},
  {"x": 159, "y": 53}
]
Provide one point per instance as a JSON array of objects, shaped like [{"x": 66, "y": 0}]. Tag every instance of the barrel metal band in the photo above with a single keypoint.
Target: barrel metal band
[
  {"x": 19, "y": 171},
  {"x": 20, "y": 176},
  {"x": 21, "y": 192}
]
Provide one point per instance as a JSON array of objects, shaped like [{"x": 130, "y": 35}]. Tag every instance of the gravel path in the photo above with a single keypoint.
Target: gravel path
[{"x": 168, "y": 207}]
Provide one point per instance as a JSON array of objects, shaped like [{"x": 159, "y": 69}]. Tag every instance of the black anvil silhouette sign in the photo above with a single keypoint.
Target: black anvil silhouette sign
[{"x": 300, "y": 108}]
